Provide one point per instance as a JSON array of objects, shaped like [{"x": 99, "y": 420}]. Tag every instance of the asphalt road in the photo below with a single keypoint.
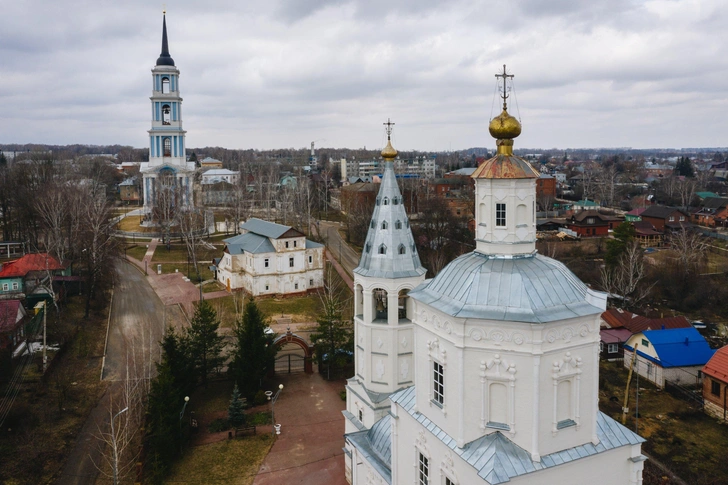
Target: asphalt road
[
  {"x": 137, "y": 322},
  {"x": 348, "y": 257}
]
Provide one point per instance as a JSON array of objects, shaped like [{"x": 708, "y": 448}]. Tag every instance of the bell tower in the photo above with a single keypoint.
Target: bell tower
[
  {"x": 389, "y": 268},
  {"x": 166, "y": 136}
]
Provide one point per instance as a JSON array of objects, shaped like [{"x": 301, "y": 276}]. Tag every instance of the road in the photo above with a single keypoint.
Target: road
[
  {"x": 348, "y": 257},
  {"x": 137, "y": 321}
]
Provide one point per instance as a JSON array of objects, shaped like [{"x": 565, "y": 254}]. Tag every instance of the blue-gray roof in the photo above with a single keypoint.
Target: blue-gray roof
[
  {"x": 265, "y": 228},
  {"x": 312, "y": 245},
  {"x": 389, "y": 249},
  {"x": 497, "y": 459},
  {"x": 250, "y": 243},
  {"x": 375, "y": 445},
  {"x": 533, "y": 289}
]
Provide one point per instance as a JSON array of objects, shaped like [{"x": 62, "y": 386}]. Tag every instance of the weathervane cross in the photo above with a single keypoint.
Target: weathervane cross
[
  {"x": 389, "y": 126},
  {"x": 505, "y": 77}
]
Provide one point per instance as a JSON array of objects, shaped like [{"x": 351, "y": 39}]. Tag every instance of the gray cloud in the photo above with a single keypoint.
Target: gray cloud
[{"x": 278, "y": 74}]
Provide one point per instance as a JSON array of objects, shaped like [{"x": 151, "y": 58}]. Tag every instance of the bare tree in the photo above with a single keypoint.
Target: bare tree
[
  {"x": 167, "y": 202},
  {"x": 626, "y": 279},
  {"x": 97, "y": 242},
  {"x": 686, "y": 189},
  {"x": 191, "y": 223},
  {"x": 689, "y": 248}
]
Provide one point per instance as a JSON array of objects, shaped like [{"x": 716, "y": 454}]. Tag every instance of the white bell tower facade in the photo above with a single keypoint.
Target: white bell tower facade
[{"x": 167, "y": 170}]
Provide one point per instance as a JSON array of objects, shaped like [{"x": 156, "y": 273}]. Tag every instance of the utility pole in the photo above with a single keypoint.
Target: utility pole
[
  {"x": 625, "y": 408},
  {"x": 45, "y": 356}
]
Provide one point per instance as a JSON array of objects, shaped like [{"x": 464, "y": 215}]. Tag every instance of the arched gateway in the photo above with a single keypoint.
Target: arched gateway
[{"x": 294, "y": 354}]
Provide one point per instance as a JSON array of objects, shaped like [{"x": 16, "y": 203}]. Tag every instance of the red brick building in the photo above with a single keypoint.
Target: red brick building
[
  {"x": 715, "y": 385},
  {"x": 589, "y": 224},
  {"x": 663, "y": 218}
]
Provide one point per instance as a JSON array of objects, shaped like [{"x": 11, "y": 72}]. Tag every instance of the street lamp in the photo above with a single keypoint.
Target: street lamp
[
  {"x": 273, "y": 399},
  {"x": 115, "y": 447},
  {"x": 181, "y": 415}
]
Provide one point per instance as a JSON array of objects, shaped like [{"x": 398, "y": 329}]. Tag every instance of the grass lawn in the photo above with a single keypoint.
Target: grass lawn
[
  {"x": 212, "y": 287},
  {"x": 137, "y": 251},
  {"x": 182, "y": 268},
  {"x": 683, "y": 438},
  {"x": 230, "y": 461},
  {"x": 301, "y": 309},
  {"x": 131, "y": 224},
  {"x": 178, "y": 253}
]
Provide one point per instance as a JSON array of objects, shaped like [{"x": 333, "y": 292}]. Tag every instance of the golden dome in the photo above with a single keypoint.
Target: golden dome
[
  {"x": 389, "y": 153},
  {"x": 504, "y": 127}
]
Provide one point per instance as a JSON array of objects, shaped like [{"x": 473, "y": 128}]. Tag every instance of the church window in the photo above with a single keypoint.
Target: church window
[
  {"x": 384, "y": 224},
  {"x": 167, "y": 147},
  {"x": 395, "y": 201},
  {"x": 310, "y": 283},
  {"x": 295, "y": 286},
  {"x": 500, "y": 215},
  {"x": 368, "y": 247},
  {"x": 386, "y": 201},
  {"x": 378, "y": 201},
  {"x": 286, "y": 244},
  {"x": 402, "y": 303},
  {"x": 166, "y": 114},
  {"x": 374, "y": 224},
  {"x": 423, "y": 470},
  {"x": 266, "y": 287},
  {"x": 165, "y": 85},
  {"x": 398, "y": 225},
  {"x": 361, "y": 415},
  {"x": 406, "y": 223},
  {"x": 266, "y": 262},
  {"x": 380, "y": 303},
  {"x": 310, "y": 259},
  {"x": 438, "y": 383},
  {"x": 382, "y": 249},
  {"x": 295, "y": 243},
  {"x": 448, "y": 481},
  {"x": 290, "y": 262},
  {"x": 498, "y": 405},
  {"x": 402, "y": 249},
  {"x": 564, "y": 407}
]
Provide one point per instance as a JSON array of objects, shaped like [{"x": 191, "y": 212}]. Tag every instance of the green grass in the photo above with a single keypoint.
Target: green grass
[
  {"x": 168, "y": 268},
  {"x": 303, "y": 309},
  {"x": 233, "y": 462},
  {"x": 137, "y": 252},
  {"x": 178, "y": 253}
]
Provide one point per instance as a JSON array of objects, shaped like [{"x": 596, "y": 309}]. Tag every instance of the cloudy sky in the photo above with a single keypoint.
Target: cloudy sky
[{"x": 283, "y": 73}]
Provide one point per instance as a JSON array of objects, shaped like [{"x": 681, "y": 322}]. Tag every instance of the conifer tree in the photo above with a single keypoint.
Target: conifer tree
[
  {"x": 205, "y": 344},
  {"x": 236, "y": 416},
  {"x": 254, "y": 354}
]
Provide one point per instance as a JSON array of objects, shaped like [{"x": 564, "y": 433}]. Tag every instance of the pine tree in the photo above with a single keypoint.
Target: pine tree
[
  {"x": 333, "y": 337},
  {"x": 254, "y": 354},
  {"x": 623, "y": 235},
  {"x": 204, "y": 342},
  {"x": 236, "y": 416}
]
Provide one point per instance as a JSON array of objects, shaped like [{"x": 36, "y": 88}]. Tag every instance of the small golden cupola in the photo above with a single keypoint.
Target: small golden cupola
[{"x": 504, "y": 128}]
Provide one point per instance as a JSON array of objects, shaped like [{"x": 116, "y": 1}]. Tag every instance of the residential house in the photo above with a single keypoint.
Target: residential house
[
  {"x": 713, "y": 212},
  {"x": 634, "y": 215},
  {"x": 589, "y": 223},
  {"x": 12, "y": 321},
  {"x": 618, "y": 318},
  {"x": 209, "y": 162},
  {"x": 271, "y": 259},
  {"x": 584, "y": 205},
  {"x": 216, "y": 175},
  {"x": 665, "y": 218},
  {"x": 611, "y": 343},
  {"x": 675, "y": 355},
  {"x": 705, "y": 195},
  {"x": 29, "y": 275},
  {"x": 129, "y": 190},
  {"x": 715, "y": 385}
]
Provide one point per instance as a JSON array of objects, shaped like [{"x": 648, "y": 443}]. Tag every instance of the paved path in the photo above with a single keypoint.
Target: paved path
[
  {"x": 309, "y": 450},
  {"x": 344, "y": 275},
  {"x": 348, "y": 257},
  {"x": 137, "y": 318}
]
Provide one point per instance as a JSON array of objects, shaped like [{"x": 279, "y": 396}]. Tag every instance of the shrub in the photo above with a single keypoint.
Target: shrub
[
  {"x": 220, "y": 424},
  {"x": 260, "y": 398}
]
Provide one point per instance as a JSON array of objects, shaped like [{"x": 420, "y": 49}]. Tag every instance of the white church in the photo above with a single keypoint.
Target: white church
[
  {"x": 489, "y": 372},
  {"x": 167, "y": 174}
]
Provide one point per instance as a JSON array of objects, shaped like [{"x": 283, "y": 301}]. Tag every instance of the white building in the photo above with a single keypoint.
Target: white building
[
  {"x": 489, "y": 372},
  {"x": 215, "y": 175},
  {"x": 271, "y": 259},
  {"x": 167, "y": 174}
]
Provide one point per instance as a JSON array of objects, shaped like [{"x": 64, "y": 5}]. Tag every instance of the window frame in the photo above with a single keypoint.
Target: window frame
[
  {"x": 291, "y": 262},
  {"x": 612, "y": 348},
  {"x": 423, "y": 469},
  {"x": 715, "y": 385},
  {"x": 438, "y": 383},
  {"x": 266, "y": 263},
  {"x": 500, "y": 214}
]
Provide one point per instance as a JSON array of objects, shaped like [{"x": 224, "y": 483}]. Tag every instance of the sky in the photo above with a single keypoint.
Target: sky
[{"x": 284, "y": 73}]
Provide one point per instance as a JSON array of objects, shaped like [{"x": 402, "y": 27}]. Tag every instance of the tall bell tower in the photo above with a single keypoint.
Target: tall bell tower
[
  {"x": 167, "y": 164},
  {"x": 389, "y": 268}
]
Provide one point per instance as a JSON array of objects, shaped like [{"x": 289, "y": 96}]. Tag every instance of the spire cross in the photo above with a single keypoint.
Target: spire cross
[
  {"x": 505, "y": 82},
  {"x": 389, "y": 126}
]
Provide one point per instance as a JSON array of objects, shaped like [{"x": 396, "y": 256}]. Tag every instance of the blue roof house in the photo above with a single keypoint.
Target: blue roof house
[{"x": 675, "y": 355}]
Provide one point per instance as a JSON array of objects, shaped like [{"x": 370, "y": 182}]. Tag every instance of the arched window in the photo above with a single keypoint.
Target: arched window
[
  {"x": 380, "y": 303},
  {"x": 406, "y": 222},
  {"x": 398, "y": 225},
  {"x": 402, "y": 303},
  {"x": 167, "y": 147},
  {"x": 374, "y": 224},
  {"x": 386, "y": 201},
  {"x": 402, "y": 249},
  {"x": 384, "y": 224},
  {"x": 395, "y": 201},
  {"x": 382, "y": 249},
  {"x": 368, "y": 247},
  {"x": 165, "y": 85},
  {"x": 378, "y": 200},
  {"x": 166, "y": 114}
]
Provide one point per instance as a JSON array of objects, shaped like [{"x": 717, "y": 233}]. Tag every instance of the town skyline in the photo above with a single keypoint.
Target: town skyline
[{"x": 259, "y": 76}]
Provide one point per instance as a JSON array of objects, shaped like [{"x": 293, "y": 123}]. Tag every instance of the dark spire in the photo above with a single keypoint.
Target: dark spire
[{"x": 164, "y": 58}]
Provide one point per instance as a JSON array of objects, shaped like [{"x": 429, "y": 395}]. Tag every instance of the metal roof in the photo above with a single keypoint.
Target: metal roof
[
  {"x": 497, "y": 459},
  {"x": 533, "y": 289},
  {"x": 505, "y": 167},
  {"x": 717, "y": 366},
  {"x": 312, "y": 245},
  {"x": 265, "y": 228},
  {"x": 375, "y": 445},
  {"x": 678, "y": 347},
  {"x": 389, "y": 250},
  {"x": 249, "y": 242}
]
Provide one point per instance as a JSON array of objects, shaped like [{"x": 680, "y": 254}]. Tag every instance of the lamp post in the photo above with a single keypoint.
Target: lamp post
[
  {"x": 273, "y": 399},
  {"x": 115, "y": 448},
  {"x": 182, "y": 415}
]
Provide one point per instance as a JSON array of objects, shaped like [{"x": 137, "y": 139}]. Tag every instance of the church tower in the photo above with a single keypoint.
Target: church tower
[
  {"x": 167, "y": 169},
  {"x": 389, "y": 268}
]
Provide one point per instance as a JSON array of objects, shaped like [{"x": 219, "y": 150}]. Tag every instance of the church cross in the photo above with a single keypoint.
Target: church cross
[
  {"x": 389, "y": 126},
  {"x": 505, "y": 82}
]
